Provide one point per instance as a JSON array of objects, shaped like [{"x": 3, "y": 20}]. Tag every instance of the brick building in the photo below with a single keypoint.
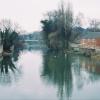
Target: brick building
[{"x": 90, "y": 40}]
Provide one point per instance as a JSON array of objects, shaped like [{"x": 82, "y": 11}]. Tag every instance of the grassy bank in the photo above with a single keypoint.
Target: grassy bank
[
  {"x": 93, "y": 55},
  {"x": 6, "y": 53},
  {"x": 83, "y": 53}
]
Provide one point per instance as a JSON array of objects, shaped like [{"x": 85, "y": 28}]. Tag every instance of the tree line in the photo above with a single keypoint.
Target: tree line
[
  {"x": 36, "y": 35},
  {"x": 59, "y": 27},
  {"x": 9, "y": 34}
]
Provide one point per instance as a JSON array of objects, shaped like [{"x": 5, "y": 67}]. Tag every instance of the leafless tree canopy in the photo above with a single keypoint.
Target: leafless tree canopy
[
  {"x": 9, "y": 33},
  {"x": 58, "y": 25},
  {"x": 94, "y": 25}
]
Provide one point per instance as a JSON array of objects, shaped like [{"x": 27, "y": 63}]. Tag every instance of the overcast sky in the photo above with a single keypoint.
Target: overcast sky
[{"x": 28, "y": 13}]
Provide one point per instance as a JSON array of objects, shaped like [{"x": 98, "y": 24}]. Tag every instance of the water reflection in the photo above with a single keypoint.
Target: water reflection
[
  {"x": 86, "y": 71},
  {"x": 91, "y": 65},
  {"x": 9, "y": 73},
  {"x": 7, "y": 62},
  {"x": 49, "y": 75},
  {"x": 57, "y": 71},
  {"x": 69, "y": 71}
]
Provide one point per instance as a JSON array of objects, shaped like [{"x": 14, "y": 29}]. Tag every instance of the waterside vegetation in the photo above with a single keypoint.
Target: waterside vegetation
[
  {"x": 60, "y": 28},
  {"x": 10, "y": 37}
]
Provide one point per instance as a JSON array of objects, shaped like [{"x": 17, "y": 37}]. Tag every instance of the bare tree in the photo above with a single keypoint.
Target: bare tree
[
  {"x": 65, "y": 22},
  {"x": 78, "y": 26},
  {"x": 59, "y": 25},
  {"x": 17, "y": 27},
  {"x": 5, "y": 24},
  {"x": 79, "y": 21},
  {"x": 8, "y": 33},
  {"x": 94, "y": 25}
]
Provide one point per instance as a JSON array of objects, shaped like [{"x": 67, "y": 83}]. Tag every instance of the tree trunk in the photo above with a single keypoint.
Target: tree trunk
[{"x": 66, "y": 44}]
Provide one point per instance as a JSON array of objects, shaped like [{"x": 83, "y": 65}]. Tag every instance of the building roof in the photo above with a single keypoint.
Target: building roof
[{"x": 91, "y": 35}]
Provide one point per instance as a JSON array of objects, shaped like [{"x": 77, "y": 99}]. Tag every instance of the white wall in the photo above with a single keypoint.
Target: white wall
[{"x": 75, "y": 46}]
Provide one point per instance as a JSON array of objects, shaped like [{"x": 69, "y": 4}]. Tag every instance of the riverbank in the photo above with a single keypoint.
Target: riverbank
[
  {"x": 83, "y": 53},
  {"x": 93, "y": 55},
  {"x": 6, "y": 54}
]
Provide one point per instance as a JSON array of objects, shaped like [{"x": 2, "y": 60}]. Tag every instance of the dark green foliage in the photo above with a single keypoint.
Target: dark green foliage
[
  {"x": 9, "y": 34},
  {"x": 8, "y": 39},
  {"x": 57, "y": 71},
  {"x": 57, "y": 27},
  {"x": 30, "y": 36},
  {"x": 47, "y": 24}
]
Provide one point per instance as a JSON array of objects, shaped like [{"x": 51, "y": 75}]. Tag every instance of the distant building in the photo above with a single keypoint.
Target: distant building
[{"x": 90, "y": 40}]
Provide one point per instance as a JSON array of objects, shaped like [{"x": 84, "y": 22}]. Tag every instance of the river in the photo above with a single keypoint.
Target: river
[{"x": 38, "y": 74}]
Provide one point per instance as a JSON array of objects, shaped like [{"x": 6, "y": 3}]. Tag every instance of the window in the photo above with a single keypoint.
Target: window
[
  {"x": 88, "y": 40},
  {"x": 83, "y": 41},
  {"x": 93, "y": 40}
]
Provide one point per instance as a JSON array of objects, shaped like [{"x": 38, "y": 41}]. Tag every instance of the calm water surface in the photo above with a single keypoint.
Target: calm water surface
[{"x": 42, "y": 75}]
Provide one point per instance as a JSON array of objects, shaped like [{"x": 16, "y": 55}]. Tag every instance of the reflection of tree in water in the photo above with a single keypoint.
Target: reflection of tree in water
[
  {"x": 61, "y": 69},
  {"x": 8, "y": 71},
  {"x": 86, "y": 71},
  {"x": 6, "y": 62},
  {"x": 57, "y": 70},
  {"x": 77, "y": 72}
]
